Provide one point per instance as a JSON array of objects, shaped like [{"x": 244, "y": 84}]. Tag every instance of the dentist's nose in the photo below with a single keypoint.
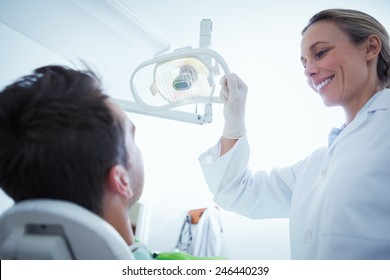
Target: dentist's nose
[{"x": 311, "y": 69}]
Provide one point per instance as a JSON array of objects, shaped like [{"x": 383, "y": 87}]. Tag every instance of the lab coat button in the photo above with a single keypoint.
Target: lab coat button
[{"x": 308, "y": 236}]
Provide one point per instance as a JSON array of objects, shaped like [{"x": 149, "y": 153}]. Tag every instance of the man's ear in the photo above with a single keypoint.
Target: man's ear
[
  {"x": 118, "y": 181},
  {"x": 373, "y": 46}
]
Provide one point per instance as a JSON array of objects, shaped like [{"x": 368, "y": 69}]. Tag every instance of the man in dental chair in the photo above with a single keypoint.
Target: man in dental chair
[{"x": 62, "y": 138}]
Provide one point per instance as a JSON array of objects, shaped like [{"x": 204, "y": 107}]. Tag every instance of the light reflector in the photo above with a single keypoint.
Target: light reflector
[{"x": 186, "y": 76}]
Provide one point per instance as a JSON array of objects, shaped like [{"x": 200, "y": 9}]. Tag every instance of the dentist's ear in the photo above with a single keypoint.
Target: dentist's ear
[
  {"x": 118, "y": 181},
  {"x": 373, "y": 46}
]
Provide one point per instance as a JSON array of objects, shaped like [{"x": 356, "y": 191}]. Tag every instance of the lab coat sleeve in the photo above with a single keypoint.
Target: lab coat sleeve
[{"x": 236, "y": 188}]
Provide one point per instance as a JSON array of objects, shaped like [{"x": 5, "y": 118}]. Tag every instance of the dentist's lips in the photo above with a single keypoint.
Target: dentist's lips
[{"x": 322, "y": 84}]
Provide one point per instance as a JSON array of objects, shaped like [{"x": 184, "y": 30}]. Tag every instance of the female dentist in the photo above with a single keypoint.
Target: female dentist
[{"x": 338, "y": 198}]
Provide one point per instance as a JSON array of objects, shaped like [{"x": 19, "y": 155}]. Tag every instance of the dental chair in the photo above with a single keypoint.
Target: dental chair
[{"x": 53, "y": 229}]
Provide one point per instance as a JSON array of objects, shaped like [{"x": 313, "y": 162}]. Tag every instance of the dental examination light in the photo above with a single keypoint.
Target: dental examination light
[{"x": 183, "y": 78}]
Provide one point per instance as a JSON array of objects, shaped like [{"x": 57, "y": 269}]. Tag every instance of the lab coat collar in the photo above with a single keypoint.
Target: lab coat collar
[{"x": 380, "y": 101}]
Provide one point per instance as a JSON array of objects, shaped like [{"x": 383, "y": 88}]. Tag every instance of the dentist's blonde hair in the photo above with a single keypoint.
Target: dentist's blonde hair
[{"x": 359, "y": 26}]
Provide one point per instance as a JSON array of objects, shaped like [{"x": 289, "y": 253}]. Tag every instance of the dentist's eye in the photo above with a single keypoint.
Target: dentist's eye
[{"x": 321, "y": 54}]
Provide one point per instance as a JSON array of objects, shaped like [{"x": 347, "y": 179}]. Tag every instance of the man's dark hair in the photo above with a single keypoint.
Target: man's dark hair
[{"x": 58, "y": 137}]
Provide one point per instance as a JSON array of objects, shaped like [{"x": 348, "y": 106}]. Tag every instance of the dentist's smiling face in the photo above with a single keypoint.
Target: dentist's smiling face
[{"x": 335, "y": 67}]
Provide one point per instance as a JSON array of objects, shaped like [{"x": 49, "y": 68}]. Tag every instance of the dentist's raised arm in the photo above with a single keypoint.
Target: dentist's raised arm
[{"x": 233, "y": 93}]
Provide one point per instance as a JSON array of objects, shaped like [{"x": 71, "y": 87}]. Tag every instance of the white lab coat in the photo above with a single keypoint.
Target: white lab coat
[
  {"x": 207, "y": 241},
  {"x": 337, "y": 199}
]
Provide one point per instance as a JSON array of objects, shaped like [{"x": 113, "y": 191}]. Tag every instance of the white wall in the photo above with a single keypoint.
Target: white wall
[{"x": 174, "y": 184}]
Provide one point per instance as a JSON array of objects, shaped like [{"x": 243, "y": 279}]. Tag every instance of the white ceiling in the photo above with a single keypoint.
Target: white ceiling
[
  {"x": 105, "y": 34},
  {"x": 237, "y": 22}
]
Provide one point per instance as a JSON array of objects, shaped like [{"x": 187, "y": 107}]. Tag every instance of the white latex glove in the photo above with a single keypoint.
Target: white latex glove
[{"x": 233, "y": 93}]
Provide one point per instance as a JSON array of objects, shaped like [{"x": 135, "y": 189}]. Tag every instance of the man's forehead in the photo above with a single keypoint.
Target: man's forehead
[
  {"x": 116, "y": 109},
  {"x": 121, "y": 116}
]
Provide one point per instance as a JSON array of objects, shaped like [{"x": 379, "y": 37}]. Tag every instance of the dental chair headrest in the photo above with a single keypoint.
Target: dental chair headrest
[{"x": 54, "y": 229}]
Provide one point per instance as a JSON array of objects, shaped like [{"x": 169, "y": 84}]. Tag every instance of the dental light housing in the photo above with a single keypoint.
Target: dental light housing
[{"x": 185, "y": 76}]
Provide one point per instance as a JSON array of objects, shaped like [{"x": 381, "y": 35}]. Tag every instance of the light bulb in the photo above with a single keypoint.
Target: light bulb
[{"x": 183, "y": 81}]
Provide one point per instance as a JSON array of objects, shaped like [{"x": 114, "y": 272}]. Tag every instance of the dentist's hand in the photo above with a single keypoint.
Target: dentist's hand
[{"x": 233, "y": 93}]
